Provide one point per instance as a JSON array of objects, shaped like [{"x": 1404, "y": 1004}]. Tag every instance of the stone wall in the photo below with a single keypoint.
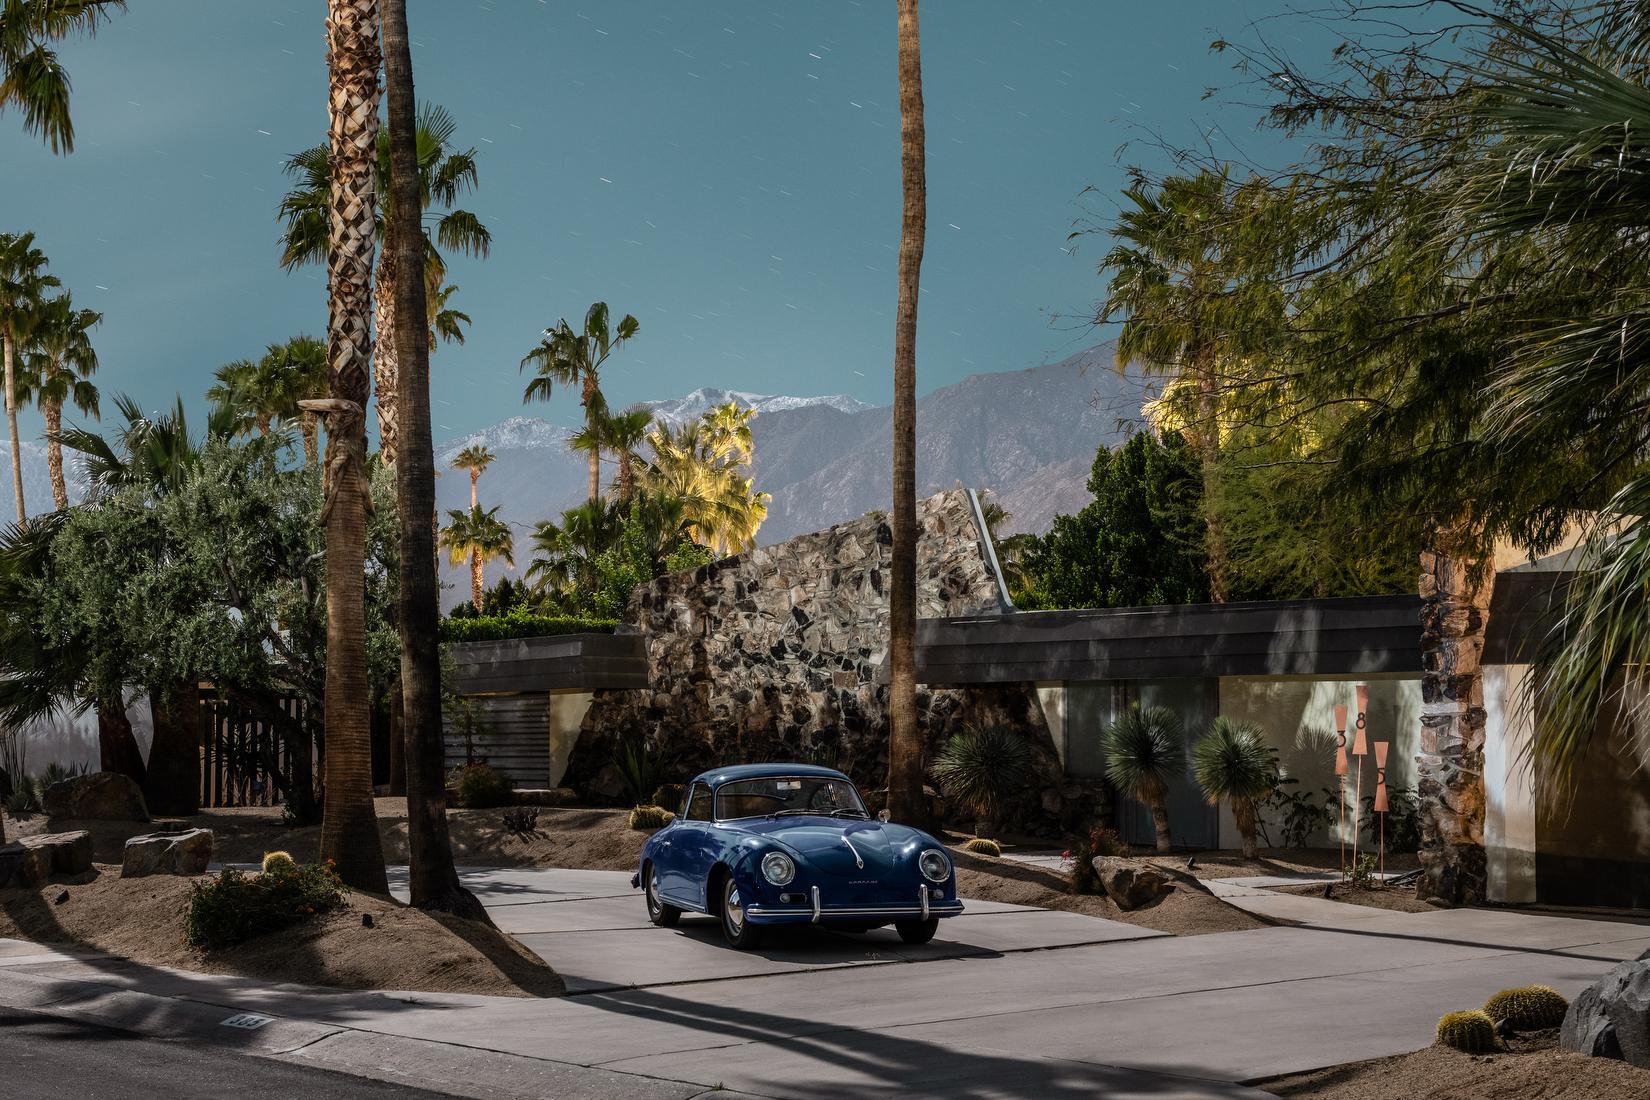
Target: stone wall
[{"x": 778, "y": 654}]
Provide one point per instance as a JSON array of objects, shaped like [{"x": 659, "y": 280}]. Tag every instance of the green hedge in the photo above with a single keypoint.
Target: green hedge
[{"x": 520, "y": 625}]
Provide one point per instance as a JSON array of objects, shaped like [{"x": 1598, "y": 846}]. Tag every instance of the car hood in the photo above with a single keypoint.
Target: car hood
[{"x": 831, "y": 845}]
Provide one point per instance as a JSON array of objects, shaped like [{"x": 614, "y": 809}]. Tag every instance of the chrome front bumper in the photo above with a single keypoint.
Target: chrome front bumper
[{"x": 819, "y": 910}]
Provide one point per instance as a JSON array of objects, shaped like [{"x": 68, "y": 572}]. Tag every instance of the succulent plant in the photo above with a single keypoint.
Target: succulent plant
[
  {"x": 1528, "y": 1008},
  {"x": 1472, "y": 1031},
  {"x": 279, "y": 863},
  {"x": 980, "y": 846},
  {"x": 650, "y": 817}
]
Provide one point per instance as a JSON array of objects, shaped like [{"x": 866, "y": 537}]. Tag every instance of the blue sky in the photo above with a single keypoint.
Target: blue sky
[{"x": 728, "y": 172}]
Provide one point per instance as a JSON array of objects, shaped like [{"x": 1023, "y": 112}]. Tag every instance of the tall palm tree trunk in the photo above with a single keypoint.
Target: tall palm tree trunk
[
  {"x": 1450, "y": 788},
  {"x": 385, "y": 360},
  {"x": 475, "y": 477},
  {"x": 477, "y": 578},
  {"x": 434, "y": 879},
  {"x": 54, "y": 454},
  {"x": 9, "y": 351},
  {"x": 1244, "y": 813},
  {"x": 589, "y": 402},
  {"x": 349, "y": 826},
  {"x": 905, "y": 797},
  {"x": 1207, "y": 440},
  {"x": 311, "y": 428}
]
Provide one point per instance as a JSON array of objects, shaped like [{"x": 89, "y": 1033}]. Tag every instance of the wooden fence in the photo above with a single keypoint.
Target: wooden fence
[{"x": 241, "y": 755}]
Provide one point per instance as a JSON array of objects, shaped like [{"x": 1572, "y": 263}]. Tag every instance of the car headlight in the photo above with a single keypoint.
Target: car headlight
[
  {"x": 778, "y": 868},
  {"x": 935, "y": 867}
]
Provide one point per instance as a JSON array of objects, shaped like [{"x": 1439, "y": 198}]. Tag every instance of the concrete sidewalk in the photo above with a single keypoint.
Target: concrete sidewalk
[{"x": 1145, "y": 1016}]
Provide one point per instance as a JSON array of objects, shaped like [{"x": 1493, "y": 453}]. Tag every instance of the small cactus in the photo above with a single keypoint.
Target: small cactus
[
  {"x": 980, "y": 846},
  {"x": 1472, "y": 1031},
  {"x": 650, "y": 817},
  {"x": 1528, "y": 1008},
  {"x": 279, "y": 863}
]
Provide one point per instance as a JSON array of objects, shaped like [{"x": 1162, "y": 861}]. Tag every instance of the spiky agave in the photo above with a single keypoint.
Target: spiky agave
[
  {"x": 981, "y": 769},
  {"x": 1144, "y": 749},
  {"x": 1234, "y": 763}
]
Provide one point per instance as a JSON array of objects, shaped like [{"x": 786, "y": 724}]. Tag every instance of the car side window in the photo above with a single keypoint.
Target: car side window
[{"x": 698, "y": 808}]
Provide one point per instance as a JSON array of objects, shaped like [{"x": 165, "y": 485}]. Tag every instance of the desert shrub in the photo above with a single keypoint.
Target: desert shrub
[
  {"x": 1100, "y": 841},
  {"x": 279, "y": 863},
  {"x": 981, "y": 769},
  {"x": 641, "y": 769},
  {"x": 1528, "y": 1008},
  {"x": 650, "y": 817},
  {"x": 235, "y": 906},
  {"x": 1301, "y": 816},
  {"x": 523, "y": 821},
  {"x": 980, "y": 846},
  {"x": 1362, "y": 873},
  {"x": 478, "y": 787},
  {"x": 1403, "y": 820},
  {"x": 668, "y": 795},
  {"x": 1473, "y": 1032}
]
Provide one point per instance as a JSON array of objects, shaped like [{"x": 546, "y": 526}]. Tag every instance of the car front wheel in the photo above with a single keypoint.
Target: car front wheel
[
  {"x": 659, "y": 911},
  {"x": 736, "y": 926},
  {"x": 917, "y": 931}
]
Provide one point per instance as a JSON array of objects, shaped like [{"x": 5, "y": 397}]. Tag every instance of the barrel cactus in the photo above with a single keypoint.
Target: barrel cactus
[
  {"x": 649, "y": 817},
  {"x": 279, "y": 863},
  {"x": 980, "y": 846},
  {"x": 1528, "y": 1008},
  {"x": 1472, "y": 1031}
]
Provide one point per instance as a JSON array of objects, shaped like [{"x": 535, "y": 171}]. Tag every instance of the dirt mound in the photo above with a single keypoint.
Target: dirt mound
[
  {"x": 405, "y": 949},
  {"x": 1187, "y": 910}
]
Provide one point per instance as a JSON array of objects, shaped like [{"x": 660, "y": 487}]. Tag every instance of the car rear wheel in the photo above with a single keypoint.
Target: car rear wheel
[
  {"x": 917, "y": 931},
  {"x": 659, "y": 911},
  {"x": 736, "y": 926}
]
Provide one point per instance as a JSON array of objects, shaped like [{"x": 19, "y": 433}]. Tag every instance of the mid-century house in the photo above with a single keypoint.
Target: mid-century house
[{"x": 781, "y": 650}]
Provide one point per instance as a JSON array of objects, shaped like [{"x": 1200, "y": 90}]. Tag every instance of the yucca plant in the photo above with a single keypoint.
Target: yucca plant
[
  {"x": 1144, "y": 750},
  {"x": 1234, "y": 763},
  {"x": 981, "y": 769}
]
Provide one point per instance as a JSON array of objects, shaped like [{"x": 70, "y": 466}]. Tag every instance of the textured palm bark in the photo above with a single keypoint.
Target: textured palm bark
[
  {"x": 54, "y": 454},
  {"x": 1243, "y": 812},
  {"x": 1454, "y": 617},
  {"x": 172, "y": 785},
  {"x": 385, "y": 364},
  {"x": 434, "y": 879},
  {"x": 310, "y": 426},
  {"x": 477, "y": 578},
  {"x": 8, "y": 349},
  {"x": 905, "y": 796},
  {"x": 1156, "y": 798},
  {"x": 349, "y": 826},
  {"x": 589, "y": 403}
]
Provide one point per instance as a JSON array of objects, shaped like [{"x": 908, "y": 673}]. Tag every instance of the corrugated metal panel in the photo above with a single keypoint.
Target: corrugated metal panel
[{"x": 515, "y": 739}]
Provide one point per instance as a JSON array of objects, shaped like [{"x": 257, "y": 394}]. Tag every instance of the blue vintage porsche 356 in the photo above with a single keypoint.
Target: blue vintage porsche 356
[{"x": 764, "y": 844}]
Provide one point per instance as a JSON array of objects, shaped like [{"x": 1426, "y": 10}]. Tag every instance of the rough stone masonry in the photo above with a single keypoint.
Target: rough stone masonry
[{"x": 778, "y": 654}]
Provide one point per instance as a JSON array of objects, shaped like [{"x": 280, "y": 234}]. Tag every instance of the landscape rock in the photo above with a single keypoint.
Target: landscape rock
[
  {"x": 1129, "y": 884},
  {"x": 186, "y": 852},
  {"x": 101, "y": 796},
  {"x": 551, "y": 796},
  {"x": 1611, "y": 1017},
  {"x": 69, "y": 853},
  {"x": 21, "y": 865}
]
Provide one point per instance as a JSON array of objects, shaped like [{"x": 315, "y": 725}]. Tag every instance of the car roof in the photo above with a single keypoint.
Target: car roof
[{"x": 717, "y": 776}]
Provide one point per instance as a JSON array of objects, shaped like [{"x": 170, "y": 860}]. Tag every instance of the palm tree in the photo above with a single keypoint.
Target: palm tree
[
  {"x": 621, "y": 433},
  {"x": 480, "y": 536},
  {"x": 699, "y": 465},
  {"x": 905, "y": 799},
  {"x": 156, "y": 453},
  {"x": 304, "y": 361},
  {"x": 30, "y": 77},
  {"x": 565, "y": 553},
  {"x": 23, "y": 283},
  {"x": 445, "y": 175},
  {"x": 1144, "y": 751},
  {"x": 1234, "y": 762},
  {"x": 433, "y": 878},
  {"x": 349, "y": 825},
  {"x": 474, "y": 458},
  {"x": 57, "y": 371},
  {"x": 575, "y": 359},
  {"x": 446, "y": 322}
]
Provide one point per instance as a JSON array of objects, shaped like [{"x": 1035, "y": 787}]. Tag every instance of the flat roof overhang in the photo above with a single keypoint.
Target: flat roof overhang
[
  {"x": 559, "y": 663},
  {"x": 1363, "y": 635}
]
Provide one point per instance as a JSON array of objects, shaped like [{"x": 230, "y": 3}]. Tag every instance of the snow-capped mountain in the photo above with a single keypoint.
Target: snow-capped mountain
[
  {"x": 37, "y": 483},
  {"x": 514, "y": 434},
  {"x": 680, "y": 410}
]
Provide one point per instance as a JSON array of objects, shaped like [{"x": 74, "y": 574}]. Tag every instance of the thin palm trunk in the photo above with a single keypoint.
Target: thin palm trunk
[
  {"x": 627, "y": 476},
  {"x": 349, "y": 825},
  {"x": 311, "y": 429},
  {"x": 9, "y": 349},
  {"x": 1159, "y": 804},
  {"x": 475, "y": 476},
  {"x": 54, "y": 454},
  {"x": 589, "y": 403},
  {"x": 477, "y": 577},
  {"x": 434, "y": 879},
  {"x": 1243, "y": 812},
  {"x": 385, "y": 364},
  {"x": 905, "y": 796}
]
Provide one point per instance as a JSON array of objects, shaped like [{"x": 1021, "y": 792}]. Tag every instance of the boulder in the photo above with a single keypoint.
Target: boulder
[
  {"x": 1611, "y": 1017},
  {"x": 185, "y": 852},
  {"x": 70, "y": 853},
  {"x": 21, "y": 865},
  {"x": 101, "y": 796},
  {"x": 546, "y": 796},
  {"x": 1130, "y": 884}
]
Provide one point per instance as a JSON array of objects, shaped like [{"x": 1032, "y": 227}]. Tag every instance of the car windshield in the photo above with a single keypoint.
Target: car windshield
[{"x": 788, "y": 794}]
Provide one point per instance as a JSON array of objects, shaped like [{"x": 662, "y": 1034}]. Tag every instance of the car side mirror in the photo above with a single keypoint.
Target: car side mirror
[{"x": 884, "y": 816}]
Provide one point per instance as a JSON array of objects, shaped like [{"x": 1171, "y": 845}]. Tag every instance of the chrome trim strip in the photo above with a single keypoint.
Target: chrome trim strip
[
  {"x": 858, "y": 862},
  {"x": 886, "y": 911},
  {"x": 814, "y": 892},
  {"x": 688, "y": 905}
]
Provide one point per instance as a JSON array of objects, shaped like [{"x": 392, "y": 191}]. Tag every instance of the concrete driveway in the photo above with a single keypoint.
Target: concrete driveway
[{"x": 1004, "y": 1002}]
